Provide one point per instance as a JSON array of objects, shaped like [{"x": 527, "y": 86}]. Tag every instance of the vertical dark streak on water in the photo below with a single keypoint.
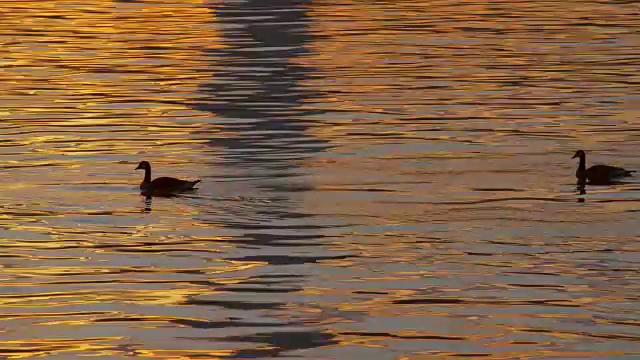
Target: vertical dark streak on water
[
  {"x": 257, "y": 93},
  {"x": 259, "y": 64}
]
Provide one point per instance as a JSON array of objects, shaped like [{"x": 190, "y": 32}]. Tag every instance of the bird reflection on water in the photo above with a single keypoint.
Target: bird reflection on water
[
  {"x": 581, "y": 187},
  {"x": 147, "y": 203}
]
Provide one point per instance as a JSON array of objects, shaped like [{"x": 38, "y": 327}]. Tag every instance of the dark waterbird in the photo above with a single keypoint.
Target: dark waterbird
[
  {"x": 162, "y": 185},
  {"x": 598, "y": 174}
]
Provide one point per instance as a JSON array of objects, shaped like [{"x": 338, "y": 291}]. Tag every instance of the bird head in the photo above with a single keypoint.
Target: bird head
[
  {"x": 579, "y": 154},
  {"x": 144, "y": 165}
]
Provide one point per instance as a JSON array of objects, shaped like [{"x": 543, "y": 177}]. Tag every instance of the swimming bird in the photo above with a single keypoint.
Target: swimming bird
[
  {"x": 162, "y": 185},
  {"x": 598, "y": 174}
]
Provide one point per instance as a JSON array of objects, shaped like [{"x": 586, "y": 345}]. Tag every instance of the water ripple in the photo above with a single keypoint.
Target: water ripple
[{"x": 379, "y": 179}]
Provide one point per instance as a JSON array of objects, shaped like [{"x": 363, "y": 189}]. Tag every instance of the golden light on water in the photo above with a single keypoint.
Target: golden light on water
[{"x": 378, "y": 179}]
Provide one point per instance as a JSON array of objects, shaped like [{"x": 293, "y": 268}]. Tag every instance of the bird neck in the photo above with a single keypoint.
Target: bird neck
[
  {"x": 147, "y": 174},
  {"x": 583, "y": 163}
]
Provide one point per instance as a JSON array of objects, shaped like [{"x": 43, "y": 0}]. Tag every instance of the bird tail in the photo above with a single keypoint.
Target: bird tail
[
  {"x": 629, "y": 172},
  {"x": 194, "y": 183}
]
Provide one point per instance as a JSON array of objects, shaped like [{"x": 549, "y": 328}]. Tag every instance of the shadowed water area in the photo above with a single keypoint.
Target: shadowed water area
[{"x": 380, "y": 180}]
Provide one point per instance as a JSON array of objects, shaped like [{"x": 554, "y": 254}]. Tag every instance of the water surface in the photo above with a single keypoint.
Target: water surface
[{"x": 387, "y": 180}]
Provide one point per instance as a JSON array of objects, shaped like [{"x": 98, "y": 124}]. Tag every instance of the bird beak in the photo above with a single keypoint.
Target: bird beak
[
  {"x": 138, "y": 168},
  {"x": 574, "y": 156}
]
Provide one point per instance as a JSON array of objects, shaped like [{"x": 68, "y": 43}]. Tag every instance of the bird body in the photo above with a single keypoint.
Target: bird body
[
  {"x": 598, "y": 174},
  {"x": 162, "y": 185}
]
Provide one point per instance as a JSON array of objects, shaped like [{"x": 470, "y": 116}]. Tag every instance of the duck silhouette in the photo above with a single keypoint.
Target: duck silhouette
[
  {"x": 162, "y": 185},
  {"x": 598, "y": 174}
]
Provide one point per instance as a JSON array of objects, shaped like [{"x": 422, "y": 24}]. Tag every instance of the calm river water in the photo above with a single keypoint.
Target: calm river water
[{"x": 380, "y": 179}]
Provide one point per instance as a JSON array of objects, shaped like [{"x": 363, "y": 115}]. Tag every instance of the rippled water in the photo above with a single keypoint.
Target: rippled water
[{"x": 387, "y": 180}]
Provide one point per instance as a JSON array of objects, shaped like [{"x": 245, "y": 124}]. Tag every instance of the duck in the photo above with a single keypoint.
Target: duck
[
  {"x": 598, "y": 174},
  {"x": 162, "y": 185}
]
